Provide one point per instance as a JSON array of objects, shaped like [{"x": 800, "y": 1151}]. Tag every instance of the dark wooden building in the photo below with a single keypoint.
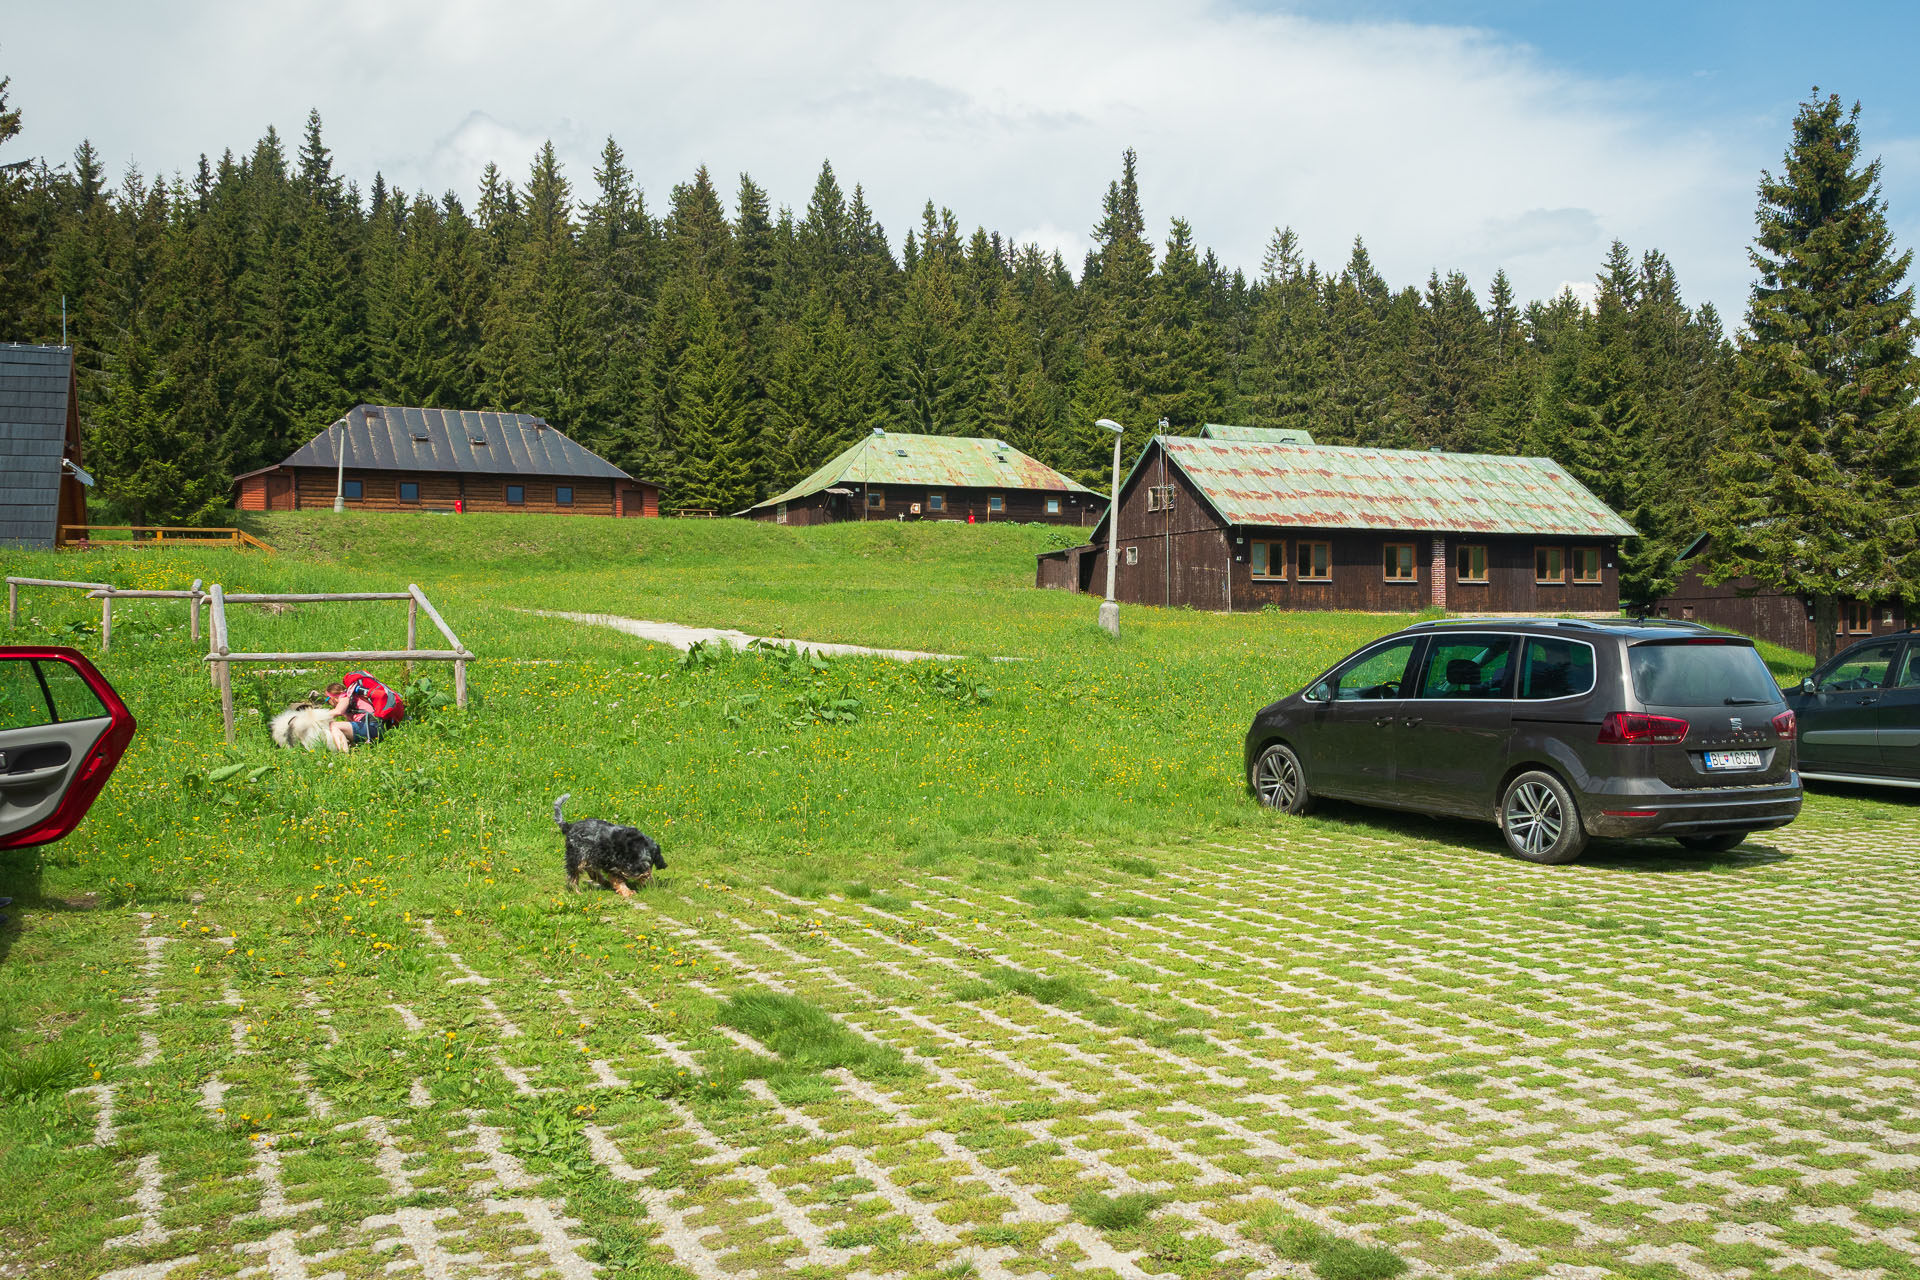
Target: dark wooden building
[
  {"x": 1740, "y": 604},
  {"x": 893, "y": 476},
  {"x": 400, "y": 459},
  {"x": 1229, "y": 524},
  {"x": 42, "y": 488},
  {"x": 1258, "y": 435}
]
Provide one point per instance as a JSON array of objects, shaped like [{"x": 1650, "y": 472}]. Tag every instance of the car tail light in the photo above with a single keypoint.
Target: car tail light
[
  {"x": 1787, "y": 725},
  {"x": 1633, "y": 728}
]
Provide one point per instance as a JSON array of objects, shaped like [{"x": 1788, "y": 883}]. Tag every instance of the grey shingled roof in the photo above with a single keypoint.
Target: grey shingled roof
[
  {"x": 390, "y": 438},
  {"x": 34, "y": 385}
]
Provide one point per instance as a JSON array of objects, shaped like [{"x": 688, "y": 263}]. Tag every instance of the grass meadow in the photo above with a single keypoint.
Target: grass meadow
[{"x": 239, "y": 958}]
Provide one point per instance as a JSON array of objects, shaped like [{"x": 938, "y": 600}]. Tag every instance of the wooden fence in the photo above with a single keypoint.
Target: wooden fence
[
  {"x": 221, "y": 657},
  {"x": 106, "y": 594},
  {"x": 152, "y": 535}
]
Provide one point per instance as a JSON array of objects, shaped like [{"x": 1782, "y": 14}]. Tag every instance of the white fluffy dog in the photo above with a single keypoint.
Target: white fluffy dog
[{"x": 305, "y": 725}]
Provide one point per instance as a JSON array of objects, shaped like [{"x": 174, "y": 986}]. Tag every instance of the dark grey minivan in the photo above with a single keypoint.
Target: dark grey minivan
[{"x": 1555, "y": 729}]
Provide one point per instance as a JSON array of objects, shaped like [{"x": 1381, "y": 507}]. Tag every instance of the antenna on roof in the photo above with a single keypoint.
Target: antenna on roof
[{"x": 63, "y": 319}]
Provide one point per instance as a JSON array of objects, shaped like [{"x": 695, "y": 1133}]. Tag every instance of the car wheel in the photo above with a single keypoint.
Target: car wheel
[
  {"x": 1541, "y": 821},
  {"x": 1280, "y": 781},
  {"x": 1718, "y": 843}
]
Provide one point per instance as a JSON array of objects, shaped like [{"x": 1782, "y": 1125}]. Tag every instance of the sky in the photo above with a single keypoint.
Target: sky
[{"x": 1477, "y": 135}]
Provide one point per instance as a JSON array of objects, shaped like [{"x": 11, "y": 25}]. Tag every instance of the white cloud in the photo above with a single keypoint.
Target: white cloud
[{"x": 1441, "y": 146}]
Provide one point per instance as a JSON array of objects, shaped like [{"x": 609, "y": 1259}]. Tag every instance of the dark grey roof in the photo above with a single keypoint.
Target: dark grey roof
[
  {"x": 387, "y": 438},
  {"x": 34, "y": 385}
]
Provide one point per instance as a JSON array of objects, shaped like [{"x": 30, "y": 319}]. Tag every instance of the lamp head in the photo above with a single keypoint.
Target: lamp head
[{"x": 1110, "y": 425}]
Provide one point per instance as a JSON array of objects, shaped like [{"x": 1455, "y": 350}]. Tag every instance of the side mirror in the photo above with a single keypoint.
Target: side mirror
[
  {"x": 1322, "y": 692},
  {"x": 1807, "y": 686},
  {"x": 62, "y": 731}
]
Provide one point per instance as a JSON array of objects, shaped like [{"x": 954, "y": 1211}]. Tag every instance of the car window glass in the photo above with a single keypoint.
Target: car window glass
[
  {"x": 1556, "y": 669},
  {"x": 22, "y": 703},
  {"x": 1864, "y": 668},
  {"x": 1380, "y": 674},
  {"x": 1467, "y": 667},
  {"x": 1694, "y": 673},
  {"x": 72, "y": 698},
  {"x": 1910, "y": 669}
]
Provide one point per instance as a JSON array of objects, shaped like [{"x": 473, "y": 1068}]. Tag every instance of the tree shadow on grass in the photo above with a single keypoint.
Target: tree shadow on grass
[{"x": 1641, "y": 856}]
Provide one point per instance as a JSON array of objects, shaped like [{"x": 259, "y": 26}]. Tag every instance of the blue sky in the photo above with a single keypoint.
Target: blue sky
[{"x": 1481, "y": 135}]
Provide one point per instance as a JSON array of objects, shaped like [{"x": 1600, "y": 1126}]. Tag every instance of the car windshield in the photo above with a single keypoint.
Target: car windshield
[{"x": 1694, "y": 673}]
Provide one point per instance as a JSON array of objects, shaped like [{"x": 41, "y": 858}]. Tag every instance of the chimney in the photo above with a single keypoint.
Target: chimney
[{"x": 1439, "y": 571}]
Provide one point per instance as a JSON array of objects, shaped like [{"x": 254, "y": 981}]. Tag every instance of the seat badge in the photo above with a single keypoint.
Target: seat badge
[{"x": 1736, "y": 724}]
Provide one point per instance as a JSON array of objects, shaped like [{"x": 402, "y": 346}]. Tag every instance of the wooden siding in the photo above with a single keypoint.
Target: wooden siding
[
  {"x": 1740, "y": 605},
  {"x": 312, "y": 489},
  {"x": 1184, "y": 555},
  {"x": 1024, "y": 506}
]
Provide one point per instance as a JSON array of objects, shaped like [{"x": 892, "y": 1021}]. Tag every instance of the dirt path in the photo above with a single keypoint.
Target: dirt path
[{"x": 684, "y": 637}]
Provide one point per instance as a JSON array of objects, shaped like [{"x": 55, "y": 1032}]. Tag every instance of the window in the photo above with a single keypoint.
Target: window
[
  {"x": 936, "y": 502},
  {"x": 1713, "y": 673},
  {"x": 1864, "y": 668},
  {"x": 1859, "y": 617},
  {"x": 1556, "y": 669},
  {"x": 996, "y": 503},
  {"x": 1397, "y": 561},
  {"x": 1468, "y": 667},
  {"x": 563, "y": 495},
  {"x": 1549, "y": 564},
  {"x": 516, "y": 494},
  {"x": 1053, "y": 506},
  {"x": 1160, "y": 497},
  {"x": 1380, "y": 674},
  {"x": 1133, "y": 555},
  {"x": 409, "y": 491},
  {"x": 780, "y": 514},
  {"x": 1910, "y": 669},
  {"x": 1313, "y": 561},
  {"x": 1586, "y": 565},
  {"x": 1686, "y": 613},
  {"x": 876, "y": 501},
  {"x": 1470, "y": 564},
  {"x": 354, "y": 490},
  {"x": 1269, "y": 560}
]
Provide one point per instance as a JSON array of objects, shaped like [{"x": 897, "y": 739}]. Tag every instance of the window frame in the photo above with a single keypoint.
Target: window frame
[
  {"x": 1574, "y": 556},
  {"x": 1508, "y": 682},
  {"x": 1856, "y": 611},
  {"x": 1304, "y": 547},
  {"x": 559, "y": 501},
  {"x": 937, "y": 501},
  {"x": 1412, "y": 558},
  {"x": 996, "y": 504},
  {"x": 876, "y": 500},
  {"x": 1526, "y": 652},
  {"x": 1840, "y": 660},
  {"x": 353, "y": 490},
  {"x": 1540, "y": 580},
  {"x": 1276, "y": 554},
  {"x": 520, "y": 501},
  {"x": 780, "y": 514},
  {"x": 1460, "y": 571},
  {"x": 406, "y": 485},
  {"x": 1053, "y": 506},
  {"x": 1131, "y": 555}
]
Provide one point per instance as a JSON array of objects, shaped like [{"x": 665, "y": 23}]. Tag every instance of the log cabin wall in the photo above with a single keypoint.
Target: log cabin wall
[
  {"x": 1740, "y": 605},
  {"x": 1022, "y": 506},
  {"x": 312, "y": 488}
]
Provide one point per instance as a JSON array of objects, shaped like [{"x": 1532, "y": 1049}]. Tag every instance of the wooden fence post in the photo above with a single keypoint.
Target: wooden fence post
[
  {"x": 106, "y": 623},
  {"x": 223, "y": 670},
  {"x": 460, "y": 683},
  {"x": 413, "y": 627},
  {"x": 193, "y": 610},
  {"x": 13, "y": 605}
]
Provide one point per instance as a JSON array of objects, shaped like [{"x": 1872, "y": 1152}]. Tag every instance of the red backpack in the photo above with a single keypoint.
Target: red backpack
[{"x": 367, "y": 694}]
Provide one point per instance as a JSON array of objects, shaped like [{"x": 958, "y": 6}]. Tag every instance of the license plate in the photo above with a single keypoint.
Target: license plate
[{"x": 1733, "y": 759}]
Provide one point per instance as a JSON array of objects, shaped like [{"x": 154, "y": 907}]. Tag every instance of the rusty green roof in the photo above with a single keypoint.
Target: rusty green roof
[
  {"x": 960, "y": 462},
  {"x": 1331, "y": 487},
  {"x": 1264, "y": 435}
]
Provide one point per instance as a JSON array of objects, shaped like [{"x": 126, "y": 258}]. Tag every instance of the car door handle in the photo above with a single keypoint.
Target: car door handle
[
  {"x": 1412, "y": 722},
  {"x": 31, "y": 777},
  {"x": 1381, "y": 722},
  {"x": 1869, "y": 701}
]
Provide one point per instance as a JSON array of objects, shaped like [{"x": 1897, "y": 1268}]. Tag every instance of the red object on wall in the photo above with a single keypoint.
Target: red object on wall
[
  {"x": 969, "y": 517},
  {"x": 459, "y": 505}
]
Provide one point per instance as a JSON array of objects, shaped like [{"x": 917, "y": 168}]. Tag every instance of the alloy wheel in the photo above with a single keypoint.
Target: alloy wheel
[
  {"x": 1534, "y": 818},
  {"x": 1276, "y": 779}
]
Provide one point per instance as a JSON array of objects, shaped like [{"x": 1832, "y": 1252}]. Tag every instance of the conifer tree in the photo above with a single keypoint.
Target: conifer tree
[{"x": 1820, "y": 495}]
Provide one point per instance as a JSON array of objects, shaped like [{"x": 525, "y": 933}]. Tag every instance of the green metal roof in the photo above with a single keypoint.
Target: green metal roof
[
  {"x": 960, "y": 462},
  {"x": 1331, "y": 487},
  {"x": 1264, "y": 435}
]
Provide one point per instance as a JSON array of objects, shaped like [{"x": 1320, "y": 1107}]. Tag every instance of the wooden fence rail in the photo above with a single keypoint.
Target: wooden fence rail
[
  {"x": 221, "y": 657},
  {"x": 147, "y": 535}
]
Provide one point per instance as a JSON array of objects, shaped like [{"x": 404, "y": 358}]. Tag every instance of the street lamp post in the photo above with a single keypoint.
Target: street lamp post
[
  {"x": 1110, "y": 608},
  {"x": 340, "y": 470}
]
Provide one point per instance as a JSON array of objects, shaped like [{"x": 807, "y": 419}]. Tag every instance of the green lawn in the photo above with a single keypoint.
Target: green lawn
[{"x": 939, "y": 947}]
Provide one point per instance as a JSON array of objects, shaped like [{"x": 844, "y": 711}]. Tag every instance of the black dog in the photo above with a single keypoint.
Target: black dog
[{"x": 615, "y": 857}]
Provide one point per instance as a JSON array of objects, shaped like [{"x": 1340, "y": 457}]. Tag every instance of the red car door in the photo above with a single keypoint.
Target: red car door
[{"x": 62, "y": 731}]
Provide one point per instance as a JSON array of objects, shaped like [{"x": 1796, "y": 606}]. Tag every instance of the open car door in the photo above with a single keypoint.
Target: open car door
[{"x": 62, "y": 731}]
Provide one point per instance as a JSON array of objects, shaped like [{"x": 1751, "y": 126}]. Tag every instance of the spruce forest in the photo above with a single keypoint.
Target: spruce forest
[{"x": 724, "y": 345}]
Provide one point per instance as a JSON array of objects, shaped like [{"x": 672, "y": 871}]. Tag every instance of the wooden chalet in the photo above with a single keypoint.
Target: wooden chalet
[
  {"x": 1241, "y": 524},
  {"x": 1740, "y": 604},
  {"x": 42, "y": 487},
  {"x": 400, "y": 459},
  {"x": 893, "y": 476}
]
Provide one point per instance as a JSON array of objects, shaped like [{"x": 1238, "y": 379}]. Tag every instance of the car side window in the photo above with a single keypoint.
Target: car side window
[
  {"x": 1467, "y": 667},
  {"x": 1380, "y": 674},
  {"x": 1909, "y": 669},
  {"x": 23, "y": 699},
  {"x": 1556, "y": 669},
  {"x": 1864, "y": 668}
]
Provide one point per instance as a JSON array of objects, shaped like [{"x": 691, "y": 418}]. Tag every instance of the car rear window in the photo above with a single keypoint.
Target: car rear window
[
  {"x": 1556, "y": 669},
  {"x": 1692, "y": 673}
]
